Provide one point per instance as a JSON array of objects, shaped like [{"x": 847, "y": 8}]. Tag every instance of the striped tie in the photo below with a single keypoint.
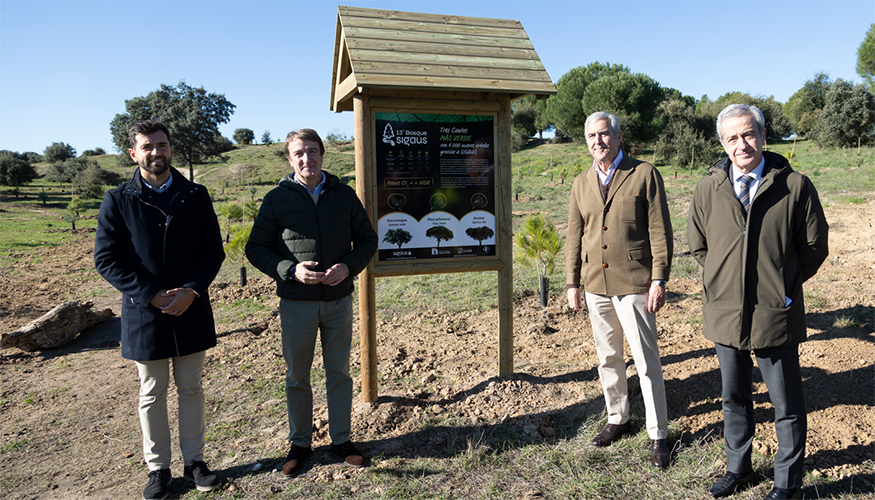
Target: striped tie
[{"x": 744, "y": 195}]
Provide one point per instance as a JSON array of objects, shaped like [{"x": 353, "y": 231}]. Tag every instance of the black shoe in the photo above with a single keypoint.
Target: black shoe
[
  {"x": 203, "y": 479},
  {"x": 350, "y": 455},
  {"x": 782, "y": 494},
  {"x": 295, "y": 460},
  {"x": 659, "y": 454},
  {"x": 158, "y": 486},
  {"x": 730, "y": 482},
  {"x": 609, "y": 434}
]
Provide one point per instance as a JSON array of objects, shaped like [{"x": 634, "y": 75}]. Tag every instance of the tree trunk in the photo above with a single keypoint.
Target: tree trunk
[
  {"x": 242, "y": 275},
  {"x": 56, "y": 328}
]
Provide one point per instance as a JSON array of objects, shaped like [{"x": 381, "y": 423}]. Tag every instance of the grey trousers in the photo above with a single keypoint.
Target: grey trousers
[
  {"x": 300, "y": 320},
  {"x": 779, "y": 367}
]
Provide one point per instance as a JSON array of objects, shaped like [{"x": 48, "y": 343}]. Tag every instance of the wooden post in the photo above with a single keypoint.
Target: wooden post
[
  {"x": 504, "y": 245},
  {"x": 364, "y": 187}
]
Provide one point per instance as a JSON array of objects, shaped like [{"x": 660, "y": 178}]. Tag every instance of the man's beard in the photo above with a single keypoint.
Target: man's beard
[{"x": 156, "y": 169}]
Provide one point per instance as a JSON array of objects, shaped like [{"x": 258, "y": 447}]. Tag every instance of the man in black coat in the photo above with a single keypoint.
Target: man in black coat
[
  {"x": 313, "y": 236},
  {"x": 158, "y": 242}
]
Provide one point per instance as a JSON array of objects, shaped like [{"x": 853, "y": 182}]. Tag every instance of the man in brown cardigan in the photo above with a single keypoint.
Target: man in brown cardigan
[{"x": 619, "y": 249}]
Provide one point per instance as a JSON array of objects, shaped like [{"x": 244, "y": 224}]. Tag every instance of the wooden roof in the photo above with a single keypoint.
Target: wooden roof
[{"x": 376, "y": 49}]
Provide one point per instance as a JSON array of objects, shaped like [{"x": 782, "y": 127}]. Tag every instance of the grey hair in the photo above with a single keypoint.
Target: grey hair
[
  {"x": 734, "y": 110},
  {"x": 603, "y": 115}
]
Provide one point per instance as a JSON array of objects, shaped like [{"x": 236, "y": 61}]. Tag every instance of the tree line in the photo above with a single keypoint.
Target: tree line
[
  {"x": 834, "y": 113},
  {"x": 680, "y": 128}
]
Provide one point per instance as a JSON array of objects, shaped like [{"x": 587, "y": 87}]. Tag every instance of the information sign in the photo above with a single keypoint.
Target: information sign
[{"x": 435, "y": 186}]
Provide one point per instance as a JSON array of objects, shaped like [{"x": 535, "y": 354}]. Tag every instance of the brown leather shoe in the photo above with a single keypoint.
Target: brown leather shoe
[
  {"x": 659, "y": 454},
  {"x": 609, "y": 434},
  {"x": 349, "y": 453},
  {"x": 295, "y": 460}
]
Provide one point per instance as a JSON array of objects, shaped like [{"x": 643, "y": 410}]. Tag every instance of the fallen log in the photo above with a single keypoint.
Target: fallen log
[{"x": 55, "y": 328}]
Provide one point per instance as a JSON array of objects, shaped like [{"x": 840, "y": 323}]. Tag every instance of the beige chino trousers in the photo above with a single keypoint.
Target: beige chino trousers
[
  {"x": 611, "y": 317},
  {"x": 154, "y": 382}
]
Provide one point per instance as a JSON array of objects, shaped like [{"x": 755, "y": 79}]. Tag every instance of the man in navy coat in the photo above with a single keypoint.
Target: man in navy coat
[{"x": 158, "y": 242}]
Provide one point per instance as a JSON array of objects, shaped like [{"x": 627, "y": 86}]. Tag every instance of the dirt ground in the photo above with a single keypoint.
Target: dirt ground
[{"x": 68, "y": 416}]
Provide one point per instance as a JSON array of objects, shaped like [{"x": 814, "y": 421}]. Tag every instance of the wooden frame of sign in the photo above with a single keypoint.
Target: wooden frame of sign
[{"x": 432, "y": 98}]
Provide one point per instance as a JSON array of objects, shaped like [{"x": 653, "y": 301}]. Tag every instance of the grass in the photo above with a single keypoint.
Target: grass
[
  {"x": 14, "y": 445},
  {"x": 846, "y": 322}
]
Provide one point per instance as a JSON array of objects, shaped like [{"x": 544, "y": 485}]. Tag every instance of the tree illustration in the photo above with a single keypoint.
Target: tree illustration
[
  {"x": 440, "y": 233},
  {"x": 480, "y": 233},
  {"x": 397, "y": 237}
]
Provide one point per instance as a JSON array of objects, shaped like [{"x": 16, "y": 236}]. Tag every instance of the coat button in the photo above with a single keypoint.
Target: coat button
[
  {"x": 605, "y": 265},
  {"x": 606, "y": 209},
  {"x": 604, "y": 246},
  {"x": 604, "y": 228}
]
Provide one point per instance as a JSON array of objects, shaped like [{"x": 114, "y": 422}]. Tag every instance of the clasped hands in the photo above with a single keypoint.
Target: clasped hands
[
  {"x": 333, "y": 276},
  {"x": 173, "y": 302}
]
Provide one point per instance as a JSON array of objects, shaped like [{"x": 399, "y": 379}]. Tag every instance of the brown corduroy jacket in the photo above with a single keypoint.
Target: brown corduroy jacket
[{"x": 618, "y": 246}]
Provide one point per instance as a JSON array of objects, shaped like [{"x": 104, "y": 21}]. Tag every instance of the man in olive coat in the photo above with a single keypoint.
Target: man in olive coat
[
  {"x": 158, "y": 242},
  {"x": 758, "y": 230},
  {"x": 619, "y": 250}
]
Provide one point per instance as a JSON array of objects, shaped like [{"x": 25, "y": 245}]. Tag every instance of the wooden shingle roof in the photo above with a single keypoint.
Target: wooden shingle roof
[{"x": 390, "y": 49}]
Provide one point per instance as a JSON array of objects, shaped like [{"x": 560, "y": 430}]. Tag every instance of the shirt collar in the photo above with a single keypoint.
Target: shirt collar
[
  {"x": 318, "y": 186},
  {"x": 755, "y": 174},
  {"x": 605, "y": 177},
  {"x": 162, "y": 188}
]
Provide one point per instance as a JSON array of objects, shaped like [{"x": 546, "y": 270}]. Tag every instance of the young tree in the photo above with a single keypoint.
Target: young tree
[
  {"x": 866, "y": 59},
  {"x": 265, "y": 137},
  {"x": 539, "y": 244},
  {"x": 439, "y": 233},
  {"x": 250, "y": 210},
  {"x": 14, "y": 171},
  {"x": 480, "y": 233},
  {"x": 236, "y": 248},
  {"x": 398, "y": 237},
  {"x": 231, "y": 211},
  {"x": 59, "y": 151},
  {"x": 192, "y": 115},
  {"x": 244, "y": 136},
  {"x": 76, "y": 206}
]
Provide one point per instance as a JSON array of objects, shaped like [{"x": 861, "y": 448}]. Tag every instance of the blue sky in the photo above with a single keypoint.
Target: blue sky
[{"x": 67, "y": 67}]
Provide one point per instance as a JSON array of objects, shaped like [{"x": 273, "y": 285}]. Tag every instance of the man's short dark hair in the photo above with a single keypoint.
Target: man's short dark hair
[
  {"x": 307, "y": 134},
  {"x": 146, "y": 127}
]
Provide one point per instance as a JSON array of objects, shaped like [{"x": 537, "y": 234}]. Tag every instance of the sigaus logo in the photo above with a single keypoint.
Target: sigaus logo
[{"x": 403, "y": 137}]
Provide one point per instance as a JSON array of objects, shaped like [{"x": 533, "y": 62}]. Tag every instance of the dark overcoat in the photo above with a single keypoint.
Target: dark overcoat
[
  {"x": 140, "y": 249},
  {"x": 754, "y": 264}
]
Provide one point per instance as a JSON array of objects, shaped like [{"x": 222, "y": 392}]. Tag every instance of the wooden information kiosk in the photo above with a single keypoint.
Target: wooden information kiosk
[{"x": 432, "y": 101}]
